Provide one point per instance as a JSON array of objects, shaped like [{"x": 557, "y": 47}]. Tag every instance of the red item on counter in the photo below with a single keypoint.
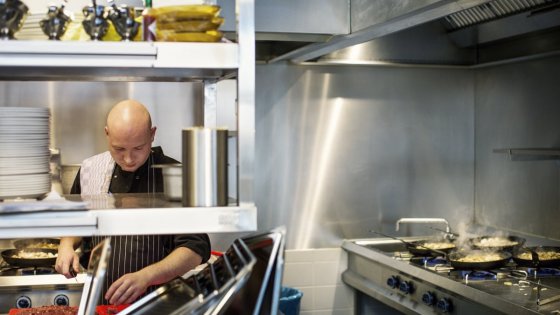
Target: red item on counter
[
  {"x": 110, "y": 309},
  {"x": 47, "y": 310},
  {"x": 99, "y": 310}
]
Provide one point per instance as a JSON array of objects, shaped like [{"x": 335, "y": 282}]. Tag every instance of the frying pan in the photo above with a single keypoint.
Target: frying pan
[
  {"x": 535, "y": 261},
  {"x": 417, "y": 248},
  {"x": 29, "y": 262},
  {"x": 33, "y": 242},
  {"x": 455, "y": 256},
  {"x": 520, "y": 241}
]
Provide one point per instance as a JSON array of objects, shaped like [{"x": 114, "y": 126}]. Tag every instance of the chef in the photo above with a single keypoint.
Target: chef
[{"x": 139, "y": 263}]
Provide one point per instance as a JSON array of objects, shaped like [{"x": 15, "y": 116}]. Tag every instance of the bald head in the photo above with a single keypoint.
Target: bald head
[
  {"x": 130, "y": 134},
  {"x": 129, "y": 115}
]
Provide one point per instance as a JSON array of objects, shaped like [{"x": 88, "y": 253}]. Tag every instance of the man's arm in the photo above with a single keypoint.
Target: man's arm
[
  {"x": 67, "y": 258},
  {"x": 130, "y": 286}
]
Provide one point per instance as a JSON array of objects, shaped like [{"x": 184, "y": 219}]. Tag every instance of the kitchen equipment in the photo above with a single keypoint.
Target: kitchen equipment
[
  {"x": 507, "y": 243},
  {"x": 538, "y": 256},
  {"x": 95, "y": 21},
  {"x": 123, "y": 19},
  {"x": 24, "y": 152},
  {"x": 38, "y": 257},
  {"x": 43, "y": 243},
  {"x": 12, "y": 15},
  {"x": 96, "y": 271},
  {"x": 246, "y": 279},
  {"x": 205, "y": 167},
  {"x": 55, "y": 23},
  {"x": 172, "y": 180},
  {"x": 384, "y": 270},
  {"x": 418, "y": 248},
  {"x": 478, "y": 259}
]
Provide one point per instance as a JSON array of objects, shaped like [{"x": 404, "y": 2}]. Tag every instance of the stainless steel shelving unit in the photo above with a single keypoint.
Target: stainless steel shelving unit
[{"x": 146, "y": 61}]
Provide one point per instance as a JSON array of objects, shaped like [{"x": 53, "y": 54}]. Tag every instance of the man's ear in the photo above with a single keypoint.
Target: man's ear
[
  {"x": 153, "y": 133},
  {"x": 106, "y": 131}
]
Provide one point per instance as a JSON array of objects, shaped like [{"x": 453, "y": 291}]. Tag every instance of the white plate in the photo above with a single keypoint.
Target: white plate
[{"x": 19, "y": 137}]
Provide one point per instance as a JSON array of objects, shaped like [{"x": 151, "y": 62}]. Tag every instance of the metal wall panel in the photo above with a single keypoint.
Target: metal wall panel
[
  {"x": 79, "y": 109},
  {"x": 517, "y": 107},
  {"x": 342, "y": 150}
]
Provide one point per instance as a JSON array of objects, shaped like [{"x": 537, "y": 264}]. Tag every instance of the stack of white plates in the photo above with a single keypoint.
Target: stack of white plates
[{"x": 24, "y": 152}]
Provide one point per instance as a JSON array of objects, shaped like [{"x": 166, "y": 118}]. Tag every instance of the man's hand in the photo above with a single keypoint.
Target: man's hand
[
  {"x": 67, "y": 261},
  {"x": 128, "y": 288}
]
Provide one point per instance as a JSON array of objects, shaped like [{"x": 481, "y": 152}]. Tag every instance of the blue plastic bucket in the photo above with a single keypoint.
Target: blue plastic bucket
[{"x": 290, "y": 300}]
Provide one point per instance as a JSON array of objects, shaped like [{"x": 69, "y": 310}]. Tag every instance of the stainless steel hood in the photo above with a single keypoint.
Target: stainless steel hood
[{"x": 442, "y": 32}]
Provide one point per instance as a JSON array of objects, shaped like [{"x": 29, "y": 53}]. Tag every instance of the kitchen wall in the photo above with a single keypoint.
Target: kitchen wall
[
  {"x": 517, "y": 106},
  {"x": 343, "y": 150},
  {"x": 83, "y": 107}
]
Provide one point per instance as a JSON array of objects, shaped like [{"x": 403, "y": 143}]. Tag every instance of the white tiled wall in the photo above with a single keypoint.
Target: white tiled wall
[{"x": 317, "y": 273}]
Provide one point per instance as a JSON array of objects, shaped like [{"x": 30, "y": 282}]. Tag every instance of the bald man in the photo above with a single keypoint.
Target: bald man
[{"x": 139, "y": 263}]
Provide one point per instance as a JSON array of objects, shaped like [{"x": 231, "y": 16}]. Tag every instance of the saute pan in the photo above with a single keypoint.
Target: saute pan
[
  {"x": 421, "y": 248},
  {"x": 8, "y": 254},
  {"x": 482, "y": 262},
  {"x": 417, "y": 248},
  {"x": 43, "y": 243},
  {"x": 541, "y": 256},
  {"x": 476, "y": 243}
]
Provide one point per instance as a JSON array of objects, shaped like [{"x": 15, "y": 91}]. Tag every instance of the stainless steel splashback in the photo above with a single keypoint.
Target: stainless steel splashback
[
  {"x": 517, "y": 107},
  {"x": 342, "y": 150}
]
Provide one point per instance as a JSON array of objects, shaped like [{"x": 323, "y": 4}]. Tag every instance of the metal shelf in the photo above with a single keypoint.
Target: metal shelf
[
  {"x": 117, "y": 61},
  {"x": 129, "y": 221},
  {"x": 531, "y": 154}
]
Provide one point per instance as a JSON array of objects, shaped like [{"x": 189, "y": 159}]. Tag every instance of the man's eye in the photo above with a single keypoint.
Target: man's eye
[
  {"x": 138, "y": 148},
  {"x": 119, "y": 149}
]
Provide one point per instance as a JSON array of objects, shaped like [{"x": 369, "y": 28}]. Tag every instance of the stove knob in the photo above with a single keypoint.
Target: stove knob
[
  {"x": 445, "y": 305},
  {"x": 406, "y": 287},
  {"x": 429, "y": 298},
  {"x": 393, "y": 282},
  {"x": 23, "y": 302},
  {"x": 61, "y": 300}
]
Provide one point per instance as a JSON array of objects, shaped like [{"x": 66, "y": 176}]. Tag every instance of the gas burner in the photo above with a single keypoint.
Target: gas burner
[
  {"x": 9, "y": 271},
  {"x": 470, "y": 275},
  {"x": 26, "y": 271},
  {"x": 543, "y": 272},
  {"x": 438, "y": 264},
  {"x": 37, "y": 271}
]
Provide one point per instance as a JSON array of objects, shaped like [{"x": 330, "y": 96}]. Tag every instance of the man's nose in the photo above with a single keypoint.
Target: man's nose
[{"x": 127, "y": 157}]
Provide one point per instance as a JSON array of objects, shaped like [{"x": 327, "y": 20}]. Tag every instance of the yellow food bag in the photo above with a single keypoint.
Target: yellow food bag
[
  {"x": 191, "y": 25},
  {"x": 172, "y": 36},
  {"x": 184, "y": 12}
]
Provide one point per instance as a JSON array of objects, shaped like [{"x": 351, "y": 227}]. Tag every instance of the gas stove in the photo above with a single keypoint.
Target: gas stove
[
  {"x": 37, "y": 286},
  {"x": 386, "y": 271}
]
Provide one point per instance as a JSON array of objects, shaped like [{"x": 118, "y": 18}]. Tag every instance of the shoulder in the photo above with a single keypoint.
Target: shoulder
[
  {"x": 161, "y": 158},
  {"x": 98, "y": 157}
]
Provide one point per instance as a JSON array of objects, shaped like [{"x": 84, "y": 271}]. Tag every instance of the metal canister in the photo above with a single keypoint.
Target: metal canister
[{"x": 205, "y": 167}]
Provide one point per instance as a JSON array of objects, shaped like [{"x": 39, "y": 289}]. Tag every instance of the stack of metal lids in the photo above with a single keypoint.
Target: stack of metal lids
[{"x": 24, "y": 152}]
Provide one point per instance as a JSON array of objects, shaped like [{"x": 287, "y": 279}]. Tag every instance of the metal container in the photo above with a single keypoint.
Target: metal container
[
  {"x": 204, "y": 167},
  {"x": 172, "y": 180}
]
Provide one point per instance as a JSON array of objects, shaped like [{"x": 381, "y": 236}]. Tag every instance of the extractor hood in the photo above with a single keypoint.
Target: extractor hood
[{"x": 441, "y": 32}]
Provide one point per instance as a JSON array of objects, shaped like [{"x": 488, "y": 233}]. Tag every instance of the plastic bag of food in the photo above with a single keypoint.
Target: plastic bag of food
[
  {"x": 191, "y": 25},
  {"x": 172, "y": 36},
  {"x": 183, "y": 12}
]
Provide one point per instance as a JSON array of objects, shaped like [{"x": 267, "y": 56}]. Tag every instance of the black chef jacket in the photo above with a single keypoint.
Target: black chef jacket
[{"x": 131, "y": 253}]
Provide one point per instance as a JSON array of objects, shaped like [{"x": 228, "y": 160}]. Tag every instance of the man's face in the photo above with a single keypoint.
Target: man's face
[{"x": 130, "y": 150}]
